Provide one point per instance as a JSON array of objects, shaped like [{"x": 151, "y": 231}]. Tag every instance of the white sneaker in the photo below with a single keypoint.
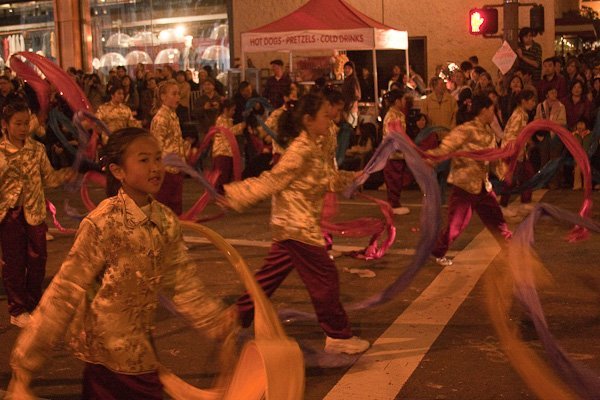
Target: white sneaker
[
  {"x": 49, "y": 237},
  {"x": 351, "y": 345},
  {"x": 508, "y": 212},
  {"x": 401, "y": 210},
  {"x": 443, "y": 261},
  {"x": 21, "y": 320}
]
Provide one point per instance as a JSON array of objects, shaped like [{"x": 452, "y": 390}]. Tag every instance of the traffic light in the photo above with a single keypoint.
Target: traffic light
[
  {"x": 536, "y": 18},
  {"x": 483, "y": 21}
]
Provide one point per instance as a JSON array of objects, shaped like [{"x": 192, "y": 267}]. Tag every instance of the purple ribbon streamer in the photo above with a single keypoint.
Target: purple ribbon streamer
[{"x": 584, "y": 381}]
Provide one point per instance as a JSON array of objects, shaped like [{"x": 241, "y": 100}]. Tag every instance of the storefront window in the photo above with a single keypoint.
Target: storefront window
[
  {"x": 186, "y": 34},
  {"x": 26, "y": 26}
]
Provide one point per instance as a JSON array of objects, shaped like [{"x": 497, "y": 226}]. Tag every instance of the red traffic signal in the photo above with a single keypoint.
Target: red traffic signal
[{"x": 483, "y": 21}]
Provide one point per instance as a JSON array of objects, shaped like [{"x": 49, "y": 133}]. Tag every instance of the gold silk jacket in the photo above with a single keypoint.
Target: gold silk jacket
[
  {"x": 116, "y": 116},
  {"x": 394, "y": 115},
  {"x": 515, "y": 124},
  {"x": 328, "y": 143},
  {"x": 165, "y": 128},
  {"x": 220, "y": 145},
  {"x": 272, "y": 122},
  {"x": 297, "y": 184},
  {"x": 105, "y": 295},
  {"x": 466, "y": 173},
  {"x": 24, "y": 173}
]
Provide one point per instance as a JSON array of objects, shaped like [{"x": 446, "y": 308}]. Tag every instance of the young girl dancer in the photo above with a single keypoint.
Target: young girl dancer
[
  {"x": 297, "y": 184},
  {"x": 222, "y": 155},
  {"x": 472, "y": 190},
  {"x": 24, "y": 171},
  {"x": 524, "y": 170},
  {"x": 166, "y": 129},
  {"x": 127, "y": 251},
  {"x": 395, "y": 168}
]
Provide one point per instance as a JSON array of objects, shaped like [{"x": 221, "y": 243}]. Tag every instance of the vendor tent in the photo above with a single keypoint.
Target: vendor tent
[{"x": 326, "y": 25}]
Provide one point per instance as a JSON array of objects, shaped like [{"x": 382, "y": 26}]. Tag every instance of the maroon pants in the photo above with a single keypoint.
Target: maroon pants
[
  {"x": 320, "y": 276},
  {"x": 224, "y": 165},
  {"x": 523, "y": 172},
  {"x": 460, "y": 209},
  {"x": 24, "y": 254},
  {"x": 393, "y": 175},
  {"x": 171, "y": 192},
  {"x": 100, "y": 383}
]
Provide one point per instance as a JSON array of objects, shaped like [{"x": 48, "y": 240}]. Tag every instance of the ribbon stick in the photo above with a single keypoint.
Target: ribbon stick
[{"x": 270, "y": 367}]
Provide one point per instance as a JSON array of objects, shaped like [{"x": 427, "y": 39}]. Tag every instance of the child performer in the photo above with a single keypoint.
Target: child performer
[
  {"x": 395, "y": 168},
  {"x": 471, "y": 189},
  {"x": 222, "y": 155},
  {"x": 24, "y": 171},
  {"x": 524, "y": 170},
  {"x": 126, "y": 252},
  {"x": 297, "y": 184},
  {"x": 583, "y": 135},
  {"x": 166, "y": 129},
  {"x": 290, "y": 96}
]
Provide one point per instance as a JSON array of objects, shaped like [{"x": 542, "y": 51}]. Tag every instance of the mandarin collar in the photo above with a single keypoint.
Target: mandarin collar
[{"x": 135, "y": 216}]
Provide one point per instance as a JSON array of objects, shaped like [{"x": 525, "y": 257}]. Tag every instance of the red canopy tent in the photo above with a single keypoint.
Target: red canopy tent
[{"x": 325, "y": 25}]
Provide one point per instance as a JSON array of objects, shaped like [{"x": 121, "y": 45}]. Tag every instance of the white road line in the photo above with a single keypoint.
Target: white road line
[
  {"x": 265, "y": 244},
  {"x": 382, "y": 371}
]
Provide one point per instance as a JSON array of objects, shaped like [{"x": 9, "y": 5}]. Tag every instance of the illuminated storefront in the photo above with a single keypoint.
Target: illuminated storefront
[
  {"x": 182, "y": 33},
  {"x": 27, "y": 26},
  {"x": 186, "y": 34}
]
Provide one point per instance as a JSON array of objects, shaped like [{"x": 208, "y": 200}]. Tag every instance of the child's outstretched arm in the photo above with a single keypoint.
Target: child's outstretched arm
[
  {"x": 240, "y": 195},
  {"x": 190, "y": 296},
  {"x": 57, "y": 307}
]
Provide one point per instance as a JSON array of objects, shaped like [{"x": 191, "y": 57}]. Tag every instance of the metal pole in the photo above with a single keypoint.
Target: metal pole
[
  {"x": 511, "y": 22},
  {"x": 375, "y": 84},
  {"x": 407, "y": 63}
]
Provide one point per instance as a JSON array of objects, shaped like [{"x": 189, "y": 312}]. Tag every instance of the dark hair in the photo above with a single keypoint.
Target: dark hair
[
  {"x": 112, "y": 153},
  {"x": 549, "y": 59},
  {"x": 394, "y": 95},
  {"x": 112, "y": 89},
  {"x": 291, "y": 122},
  {"x": 277, "y": 62},
  {"x": 524, "y": 32},
  {"x": 350, "y": 64},
  {"x": 333, "y": 96},
  {"x": 478, "y": 103},
  {"x": 583, "y": 87},
  {"x": 225, "y": 104},
  {"x": 525, "y": 95},
  {"x": 479, "y": 70},
  {"x": 13, "y": 107},
  {"x": 243, "y": 85},
  {"x": 474, "y": 59},
  {"x": 582, "y": 119},
  {"x": 466, "y": 66},
  {"x": 121, "y": 67}
]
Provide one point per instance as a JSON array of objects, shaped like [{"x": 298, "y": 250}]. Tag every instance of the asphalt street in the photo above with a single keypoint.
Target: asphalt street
[{"x": 433, "y": 341}]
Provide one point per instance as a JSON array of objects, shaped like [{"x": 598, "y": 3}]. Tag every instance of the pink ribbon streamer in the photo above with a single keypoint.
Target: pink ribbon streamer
[
  {"x": 361, "y": 227},
  {"x": 52, "y": 210},
  {"x": 39, "y": 85},
  {"x": 65, "y": 84}
]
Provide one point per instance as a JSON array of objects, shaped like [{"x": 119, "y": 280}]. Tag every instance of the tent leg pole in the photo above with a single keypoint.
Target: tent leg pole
[
  {"x": 407, "y": 63},
  {"x": 243, "y": 66},
  {"x": 375, "y": 84},
  {"x": 291, "y": 63}
]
